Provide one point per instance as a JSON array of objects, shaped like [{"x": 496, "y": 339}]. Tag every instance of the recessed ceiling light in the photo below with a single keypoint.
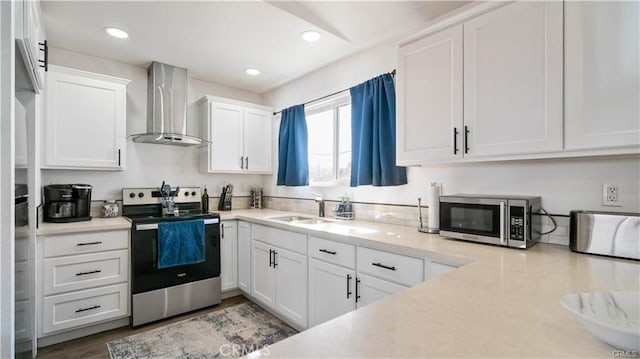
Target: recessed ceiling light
[
  {"x": 310, "y": 36},
  {"x": 115, "y": 32},
  {"x": 252, "y": 72}
]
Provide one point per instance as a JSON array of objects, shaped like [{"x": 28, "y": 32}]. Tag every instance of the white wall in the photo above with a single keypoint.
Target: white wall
[
  {"x": 149, "y": 164},
  {"x": 563, "y": 184}
]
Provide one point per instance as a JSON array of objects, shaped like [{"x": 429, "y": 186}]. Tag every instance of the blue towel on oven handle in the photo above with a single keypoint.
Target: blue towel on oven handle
[{"x": 180, "y": 243}]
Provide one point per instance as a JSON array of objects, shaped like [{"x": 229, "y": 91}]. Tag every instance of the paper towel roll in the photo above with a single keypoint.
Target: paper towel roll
[{"x": 434, "y": 206}]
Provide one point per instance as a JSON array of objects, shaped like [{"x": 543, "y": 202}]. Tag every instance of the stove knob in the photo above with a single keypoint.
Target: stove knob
[
  {"x": 140, "y": 194},
  {"x": 193, "y": 193},
  {"x": 132, "y": 195},
  {"x": 186, "y": 194}
]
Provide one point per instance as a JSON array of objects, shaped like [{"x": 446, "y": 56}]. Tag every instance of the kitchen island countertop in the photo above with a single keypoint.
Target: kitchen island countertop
[{"x": 501, "y": 303}]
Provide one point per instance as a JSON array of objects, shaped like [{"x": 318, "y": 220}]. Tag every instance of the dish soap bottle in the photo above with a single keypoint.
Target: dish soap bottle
[{"x": 205, "y": 201}]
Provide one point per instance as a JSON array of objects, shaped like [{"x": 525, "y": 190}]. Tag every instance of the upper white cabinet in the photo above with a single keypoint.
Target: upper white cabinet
[
  {"x": 513, "y": 80},
  {"x": 429, "y": 87},
  {"x": 240, "y": 133},
  {"x": 488, "y": 87},
  {"x": 602, "y": 74},
  {"x": 29, "y": 34},
  {"x": 85, "y": 120}
]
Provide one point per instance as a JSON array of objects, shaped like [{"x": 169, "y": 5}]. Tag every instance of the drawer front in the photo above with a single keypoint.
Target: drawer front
[
  {"x": 333, "y": 252},
  {"x": 64, "y": 274},
  {"x": 70, "y": 310},
  {"x": 292, "y": 241},
  {"x": 391, "y": 266},
  {"x": 78, "y": 243}
]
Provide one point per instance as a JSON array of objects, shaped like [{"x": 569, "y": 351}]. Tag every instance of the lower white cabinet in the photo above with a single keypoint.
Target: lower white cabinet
[
  {"x": 279, "y": 281},
  {"x": 331, "y": 291},
  {"x": 74, "y": 309},
  {"x": 371, "y": 289},
  {"x": 229, "y": 255},
  {"x": 83, "y": 279},
  {"x": 244, "y": 256}
]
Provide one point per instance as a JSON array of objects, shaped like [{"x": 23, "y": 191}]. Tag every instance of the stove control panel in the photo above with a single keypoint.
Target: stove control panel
[{"x": 152, "y": 195}]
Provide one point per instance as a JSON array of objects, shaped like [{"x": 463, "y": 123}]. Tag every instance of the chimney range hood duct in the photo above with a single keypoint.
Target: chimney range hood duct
[{"x": 167, "y": 107}]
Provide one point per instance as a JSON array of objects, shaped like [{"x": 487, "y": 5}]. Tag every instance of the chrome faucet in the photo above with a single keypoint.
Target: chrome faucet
[{"x": 320, "y": 201}]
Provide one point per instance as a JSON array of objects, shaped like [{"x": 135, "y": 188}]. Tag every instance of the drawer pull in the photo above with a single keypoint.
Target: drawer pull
[
  {"x": 90, "y": 308},
  {"x": 327, "y": 251},
  {"x": 357, "y": 284},
  {"x": 89, "y": 243},
  {"x": 348, "y": 286},
  {"x": 383, "y": 266},
  {"x": 91, "y": 272}
]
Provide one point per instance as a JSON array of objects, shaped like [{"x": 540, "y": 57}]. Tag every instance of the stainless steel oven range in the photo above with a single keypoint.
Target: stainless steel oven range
[{"x": 159, "y": 291}]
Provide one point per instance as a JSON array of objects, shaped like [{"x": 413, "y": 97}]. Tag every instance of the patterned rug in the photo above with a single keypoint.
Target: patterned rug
[{"x": 229, "y": 333}]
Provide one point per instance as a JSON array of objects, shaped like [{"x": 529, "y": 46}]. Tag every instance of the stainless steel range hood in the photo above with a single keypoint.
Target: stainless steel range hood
[{"x": 167, "y": 107}]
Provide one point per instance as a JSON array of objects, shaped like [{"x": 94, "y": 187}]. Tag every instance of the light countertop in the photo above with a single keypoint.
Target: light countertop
[
  {"x": 502, "y": 302},
  {"x": 95, "y": 224}
]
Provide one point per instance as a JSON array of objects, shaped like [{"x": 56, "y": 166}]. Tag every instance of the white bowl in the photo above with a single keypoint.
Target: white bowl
[{"x": 613, "y": 317}]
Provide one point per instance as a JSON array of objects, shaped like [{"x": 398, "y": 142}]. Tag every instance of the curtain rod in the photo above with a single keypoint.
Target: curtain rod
[{"x": 393, "y": 73}]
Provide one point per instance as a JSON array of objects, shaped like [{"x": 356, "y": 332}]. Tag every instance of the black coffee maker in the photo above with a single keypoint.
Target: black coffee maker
[{"x": 65, "y": 203}]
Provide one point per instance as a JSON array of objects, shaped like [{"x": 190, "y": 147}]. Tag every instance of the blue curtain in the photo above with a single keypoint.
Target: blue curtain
[
  {"x": 373, "y": 134},
  {"x": 293, "y": 160}
]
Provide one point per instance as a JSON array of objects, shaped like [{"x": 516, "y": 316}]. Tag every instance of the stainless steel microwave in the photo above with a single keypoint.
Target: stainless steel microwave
[{"x": 493, "y": 219}]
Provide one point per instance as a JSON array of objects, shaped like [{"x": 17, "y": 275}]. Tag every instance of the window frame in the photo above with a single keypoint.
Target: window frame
[{"x": 332, "y": 103}]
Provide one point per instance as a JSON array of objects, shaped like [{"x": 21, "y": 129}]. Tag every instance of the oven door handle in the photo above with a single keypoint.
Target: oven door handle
[{"x": 146, "y": 227}]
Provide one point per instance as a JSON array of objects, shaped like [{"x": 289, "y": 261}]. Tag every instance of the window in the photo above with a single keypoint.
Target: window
[{"x": 329, "y": 127}]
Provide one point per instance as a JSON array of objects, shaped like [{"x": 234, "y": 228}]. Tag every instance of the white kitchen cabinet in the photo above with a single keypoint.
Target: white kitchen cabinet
[
  {"x": 279, "y": 272},
  {"x": 244, "y": 256},
  {"x": 240, "y": 136},
  {"x": 291, "y": 285},
  {"x": 82, "y": 279},
  {"x": 513, "y": 80},
  {"x": 331, "y": 291},
  {"x": 429, "y": 88},
  {"x": 437, "y": 269},
  {"x": 602, "y": 74},
  {"x": 29, "y": 34},
  {"x": 370, "y": 289},
  {"x": 263, "y": 283},
  {"x": 85, "y": 120},
  {"x": 228, "y": 255}
]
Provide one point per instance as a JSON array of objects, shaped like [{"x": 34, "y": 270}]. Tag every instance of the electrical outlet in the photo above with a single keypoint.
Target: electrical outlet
[{"x": 610, "y": 195}]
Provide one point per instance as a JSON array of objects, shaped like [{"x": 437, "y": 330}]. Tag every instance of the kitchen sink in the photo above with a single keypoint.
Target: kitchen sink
[
  {"x": 291, "y": 218},
  {"x": 314, "y": 221}
]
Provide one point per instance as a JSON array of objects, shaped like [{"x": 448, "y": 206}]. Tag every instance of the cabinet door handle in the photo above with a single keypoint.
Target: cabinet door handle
[
  {"x": 246, "y": 163},
  {"x": 89, "y": 308},
  {"x": 222, "y": 230},
  {"x": 357, "y": 292},
  {"x": 455, "y": 140},
  {"x": 270, "y": 257},
  {"x": 348, "y": 285},
  {"x": 88, "y": 243},
  {"x": 242, "y": 162},
  {"x": 44, "y": 47},
  {"x": 328, "y": 251},
  {"x": 119, "y": 157},
  {"x": 383, "y": 266},
  {"x": 466, "y": 139},
  {"x": 90, "y": 272},
  {"x": 275, "y": 264}
]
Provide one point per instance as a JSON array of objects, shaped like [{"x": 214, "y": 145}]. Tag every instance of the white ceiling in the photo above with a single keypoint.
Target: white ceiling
[{"x": 217, "y": 40}]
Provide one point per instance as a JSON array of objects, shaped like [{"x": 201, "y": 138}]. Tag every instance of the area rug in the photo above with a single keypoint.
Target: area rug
[{"x": 229, "y": 333}]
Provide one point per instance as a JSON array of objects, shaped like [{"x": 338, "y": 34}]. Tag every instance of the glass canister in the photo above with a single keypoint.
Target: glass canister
[{"x": 109, "y": 209}]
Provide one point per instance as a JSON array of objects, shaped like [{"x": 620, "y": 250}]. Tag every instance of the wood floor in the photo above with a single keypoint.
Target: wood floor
[{"x": 95, "y": 346}]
